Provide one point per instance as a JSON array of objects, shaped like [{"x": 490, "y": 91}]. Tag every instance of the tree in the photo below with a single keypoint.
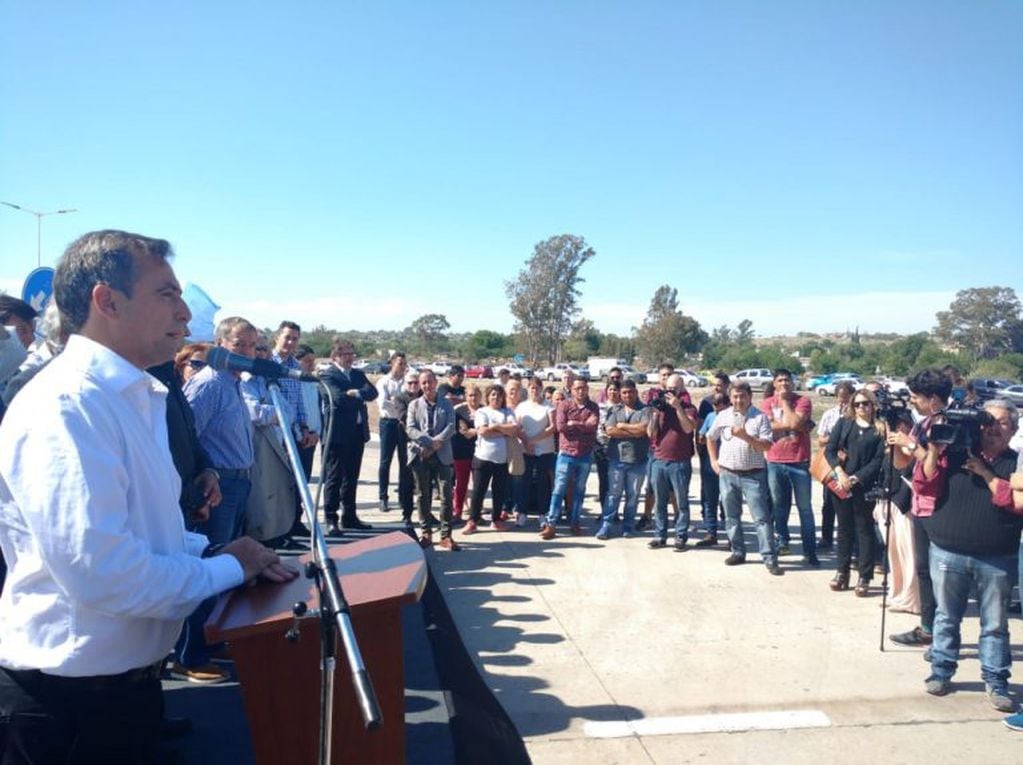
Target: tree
[
  {"x": 544, "y": 296},
  {"x": 983, "y": 320},
  {"x": 744, "y": 332},
  {"x": 667, "y": 334},
  {"x": 583, "y": 342},
  {"x": 485, "y": 344},
  {"x": 429, "y": 330}
]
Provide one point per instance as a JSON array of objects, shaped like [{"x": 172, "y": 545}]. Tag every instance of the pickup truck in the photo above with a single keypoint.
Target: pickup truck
[{"x": 557, "y": 372}]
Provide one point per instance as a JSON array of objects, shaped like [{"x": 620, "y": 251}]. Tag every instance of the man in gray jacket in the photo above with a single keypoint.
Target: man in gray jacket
[{"x": 430, "y": 423}]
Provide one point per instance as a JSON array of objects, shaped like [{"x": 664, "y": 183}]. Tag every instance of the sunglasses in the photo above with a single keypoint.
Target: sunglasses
[
  {"x": 262, "y": 348},
  {"x": 859, "y": 404},
  {"x": 197, "y": 364}
]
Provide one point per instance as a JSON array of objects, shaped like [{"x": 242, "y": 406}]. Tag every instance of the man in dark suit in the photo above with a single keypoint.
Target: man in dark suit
[{"x": 348, "y": 432}]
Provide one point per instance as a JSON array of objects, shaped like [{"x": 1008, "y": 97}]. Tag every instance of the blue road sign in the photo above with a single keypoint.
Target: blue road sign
[{"x": 38, "y": 288}]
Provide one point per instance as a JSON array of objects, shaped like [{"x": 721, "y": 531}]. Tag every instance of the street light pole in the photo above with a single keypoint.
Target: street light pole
[{"x": 39, "y": 225}]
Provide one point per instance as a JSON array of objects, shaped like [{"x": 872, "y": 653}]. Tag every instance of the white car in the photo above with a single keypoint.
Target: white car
[
  {"x": 515, "y": 369},
  {"x": 757, "y": 378},
  {"x": 828, "y": 388},
  {"x": 439, "y": 368},
  {"x": 557, "y": 372}
]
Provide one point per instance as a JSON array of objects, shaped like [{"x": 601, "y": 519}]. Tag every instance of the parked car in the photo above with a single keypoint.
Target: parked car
[
  {"x": 987, "y": 387},
  {"x": 439, "y": 368},
  {"x": 817, "y": 380},
  {"x": 757, "y": 378},
  {"x": 628, "y": 373},
  {"x": 516, "y": 369},
  {"x": 557, "y": 372},
  {"x": 692, "y": 379},
  {"x": 375, "y": 367},
  {"x": 828, "y": 388},
  {"x": 479, "y": 372},
  {"x": 1013, "y": 392},
  {"x": 893, "y": 385}
]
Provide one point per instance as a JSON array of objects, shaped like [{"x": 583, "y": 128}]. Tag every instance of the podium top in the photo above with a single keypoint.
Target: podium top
[{"x": 384, "y": 571}]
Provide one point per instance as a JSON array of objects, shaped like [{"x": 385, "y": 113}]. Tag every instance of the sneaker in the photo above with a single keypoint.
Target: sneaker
[
  {"x": 784, "y": 549},
  {"x": 521, "y": 520},
  {"x": 205, "y": 674},
  {"x": 1000, "y": 698},
  {"x": 774, "y": 569},
  {"x": 680, "y": 545},
  {"x": 499, "y": 525},
  {"x": 642, "y": 523},
  {"x": 1014, "y": 722},
  {"x": 915, "y": 636},
  {"x": 735, "y": 559},
  {"x": 548, "y": 532},
  {"x": 938, "y": 686},
  {"x": 426, "y": 539},
  {"x": 656, "y": 544},
  {"x": 470, "y": 527},
  {"x": 603, "y": 532},
  {"x": 710, "y": 540}
]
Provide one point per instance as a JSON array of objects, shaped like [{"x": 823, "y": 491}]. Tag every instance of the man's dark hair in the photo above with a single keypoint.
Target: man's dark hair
[
  {"x": 741, "y": 386},
  {"x": 930, "y": 382},
  {"x": 288, "y": 325},
  {"x": 612, "y": 370},
  {"x": 456, "y": 369},
  {"x": 302, "y": 351},
  {"x": 12, "y": 306},
  {"x": 107, "y": 257},
  {"x": 666, "y": 365},
  {"x": 782, "y": 372},
  {"x": 395, "y": 355},
  {"x": 723, "y": 377},
  {"x": 628, "y": 384},
  {"x": 339, "y": 344},
  {"x": 845, "y": 385}
]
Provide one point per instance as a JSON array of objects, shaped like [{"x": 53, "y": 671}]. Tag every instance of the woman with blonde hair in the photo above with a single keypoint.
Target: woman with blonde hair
[
  {"x": 855, "y": 451},
  {"x": 189, "y": 360}
]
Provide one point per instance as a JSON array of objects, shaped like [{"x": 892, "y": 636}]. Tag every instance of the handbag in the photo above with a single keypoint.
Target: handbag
[
  {"x": 823, "y": 472},
  {"x": 516, "y": 456}
]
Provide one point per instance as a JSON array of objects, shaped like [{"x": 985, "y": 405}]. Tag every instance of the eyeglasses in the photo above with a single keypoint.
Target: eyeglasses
[
  {"x": 262, "y": 348},
  {"x": 196, "y": 364},
  {"x": 860, "y": 404}
]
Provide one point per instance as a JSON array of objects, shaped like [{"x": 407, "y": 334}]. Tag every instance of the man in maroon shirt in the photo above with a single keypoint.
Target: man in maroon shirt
[
  {"x": 788, "y": 463},
  {"x": 672, "y": 422},
  {"x": 576, "y": 423}
]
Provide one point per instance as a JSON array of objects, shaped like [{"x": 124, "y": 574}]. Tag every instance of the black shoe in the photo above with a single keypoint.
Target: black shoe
[
  {"x": 680, "y": 545},
  {"x": 915, "y": 636},
  {"x": 775, "y": 570},
  {"x": 642, "y": 523},
  {"x": 655, "y": 544},
  {"x": 355, "y": 524},
  {"x": 432, "y": 521},
  {"x": 735, "y": 559},
  {"x": 822, "y": 545},
  {"x": 383, "y": 505},
  {"x": 174, "y": 727},
  {"x": 811, "y": 560},
  {"x": 299, "y": 530},
  {"x": 710, "y": 540},
  {"x": 334, "y": 531}
]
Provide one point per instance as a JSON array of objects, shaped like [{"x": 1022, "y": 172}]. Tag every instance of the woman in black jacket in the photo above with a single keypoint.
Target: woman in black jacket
[{"x": 855, "y": 451}]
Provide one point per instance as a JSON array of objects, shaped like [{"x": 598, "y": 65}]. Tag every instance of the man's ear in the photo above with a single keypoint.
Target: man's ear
[{"x": 105, "y": 300}]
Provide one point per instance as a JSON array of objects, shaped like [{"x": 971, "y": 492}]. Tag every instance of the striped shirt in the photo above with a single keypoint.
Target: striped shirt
[{"x": 734, "y": 453}]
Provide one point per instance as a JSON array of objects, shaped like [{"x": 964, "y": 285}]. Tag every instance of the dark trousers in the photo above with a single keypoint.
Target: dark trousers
[
  {"x": 921, "y": 551},
  {"x": 342, "y": 466},
  {"x": 394, "y": 440},
  {"x": 710, "y": 494},
  {"x": 538, "y": 482},
  {"x": 77, "y": 721},
  {"x": 600, "y": 460},
  {"x": 855, "y": 515},
  {"x": 426, "y": 472},
  {"x": 483, "y": 474},
  {"x": 828, "y": 517}
]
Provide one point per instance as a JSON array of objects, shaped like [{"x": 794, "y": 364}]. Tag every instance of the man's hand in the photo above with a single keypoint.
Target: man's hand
[
  {"x": 977, "y": 466},
  {"x": 257, "y": 560},
  {"x": 353, "y": 392}
]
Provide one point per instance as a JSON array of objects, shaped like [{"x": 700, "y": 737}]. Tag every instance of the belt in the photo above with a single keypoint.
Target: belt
[
  {"x": 39, "y": 679},
  {"x": 751, "y": 471},
  {"x": 233, "y": 472}
]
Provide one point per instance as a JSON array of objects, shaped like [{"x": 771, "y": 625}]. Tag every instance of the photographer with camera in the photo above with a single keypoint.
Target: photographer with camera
[
  {"x": 975, "y": 533},
  {"x": 671, "y": 428}
]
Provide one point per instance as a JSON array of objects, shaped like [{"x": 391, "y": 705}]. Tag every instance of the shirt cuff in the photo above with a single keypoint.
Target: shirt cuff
[
  {"x": 195, "y": 543},
  {"x": 1002, "y": 495},
  {"x": 225, "y": 571}
]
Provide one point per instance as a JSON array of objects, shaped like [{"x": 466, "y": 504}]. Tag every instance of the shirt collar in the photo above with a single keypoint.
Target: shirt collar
[{"x": 106, "y": 366}]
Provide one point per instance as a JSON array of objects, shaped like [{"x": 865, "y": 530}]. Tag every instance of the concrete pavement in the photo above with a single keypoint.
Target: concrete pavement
[{"x": 605, "y": 652}]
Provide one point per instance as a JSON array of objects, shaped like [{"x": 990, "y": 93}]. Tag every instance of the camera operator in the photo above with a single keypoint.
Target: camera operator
[
  {"x": 975, "y": 534},
  {"x": 929, "y": 390},
  {"x": 672, "y": 424}
]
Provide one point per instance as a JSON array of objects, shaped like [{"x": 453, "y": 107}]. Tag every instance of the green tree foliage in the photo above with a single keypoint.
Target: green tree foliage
[
  {"x": 1008, "y": 366},
  {"x": 667, "y": 334},
  {"x": 985, "y": 321},
  {"x": 544, "y": 296},
  {"x": 584, "y": 341},
  {"x": 736, "y": 357},
  {"x": 485, "y": 344},
  {"x": 427, "y": 333}
]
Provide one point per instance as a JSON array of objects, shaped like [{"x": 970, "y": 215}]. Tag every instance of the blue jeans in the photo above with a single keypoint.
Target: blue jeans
[
  {"x": 577, "y": 470},
  {"x": 667, "y": 477},
  {"x": 787, "y": 479},
  {"x": 710, "y": 494},
  {"x": 627, "y": 477},
  {"x": 393, "y": 439},
  {"x": 226, "y": 523},
  {"x": 953, "y": 575},
  {"x": 752, "y": 486}
]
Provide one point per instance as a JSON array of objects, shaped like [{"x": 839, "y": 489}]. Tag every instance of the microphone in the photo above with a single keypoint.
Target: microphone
[{"x": 221, "y": 358}]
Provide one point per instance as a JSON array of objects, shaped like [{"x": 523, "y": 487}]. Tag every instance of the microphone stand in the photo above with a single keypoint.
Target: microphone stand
[
  {"x": 886, "y": 497},
  {"x": 335, "y": 617}
]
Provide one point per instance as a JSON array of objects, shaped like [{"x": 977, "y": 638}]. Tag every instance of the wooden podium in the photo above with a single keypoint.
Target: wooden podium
[{"x": 280, "y": 679}]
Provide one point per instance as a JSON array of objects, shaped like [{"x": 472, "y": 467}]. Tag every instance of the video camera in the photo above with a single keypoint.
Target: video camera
[
  {"x": 893, "y": 407},
  {"x": 659, "y": 400},
  {"x": 961, "y": 429}
]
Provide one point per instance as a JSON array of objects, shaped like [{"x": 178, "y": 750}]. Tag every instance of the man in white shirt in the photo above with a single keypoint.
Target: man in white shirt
[
  {"x": 101, "y": 569},
  {"x": 392, "y": 433}
]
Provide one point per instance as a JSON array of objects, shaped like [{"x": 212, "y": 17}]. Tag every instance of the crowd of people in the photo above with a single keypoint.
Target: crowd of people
[{"x": 138, "y": 481}]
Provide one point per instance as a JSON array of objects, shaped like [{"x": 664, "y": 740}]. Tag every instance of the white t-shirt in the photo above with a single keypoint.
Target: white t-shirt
[
  {"x": 492, "y": 448},
  {"x": 534, "y": 419}
]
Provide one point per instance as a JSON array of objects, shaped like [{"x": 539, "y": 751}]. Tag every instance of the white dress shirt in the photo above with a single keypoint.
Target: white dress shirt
[
  {"x": 387, "y": 388},
  {"x": 101, "y": 569}
]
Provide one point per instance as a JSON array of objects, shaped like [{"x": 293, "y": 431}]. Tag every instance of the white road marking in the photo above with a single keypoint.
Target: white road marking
[{"x": 722, "y": 723}]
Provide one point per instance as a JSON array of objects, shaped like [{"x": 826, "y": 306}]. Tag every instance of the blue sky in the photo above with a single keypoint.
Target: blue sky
[{"x": 807, "y": 165}]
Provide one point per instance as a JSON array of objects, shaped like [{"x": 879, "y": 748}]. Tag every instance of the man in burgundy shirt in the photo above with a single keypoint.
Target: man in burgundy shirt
[
  {"x": 788, "y": 463},
  {"x": 576, "y": 423},
  {"x": 672, "y": 422}
]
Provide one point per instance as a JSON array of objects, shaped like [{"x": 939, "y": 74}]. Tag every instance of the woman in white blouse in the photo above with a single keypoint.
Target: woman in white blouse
[{"x": 495, "y": 423}]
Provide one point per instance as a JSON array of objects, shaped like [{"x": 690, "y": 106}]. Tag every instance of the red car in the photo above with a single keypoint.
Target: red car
[{"x": 480, "y": 372}]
